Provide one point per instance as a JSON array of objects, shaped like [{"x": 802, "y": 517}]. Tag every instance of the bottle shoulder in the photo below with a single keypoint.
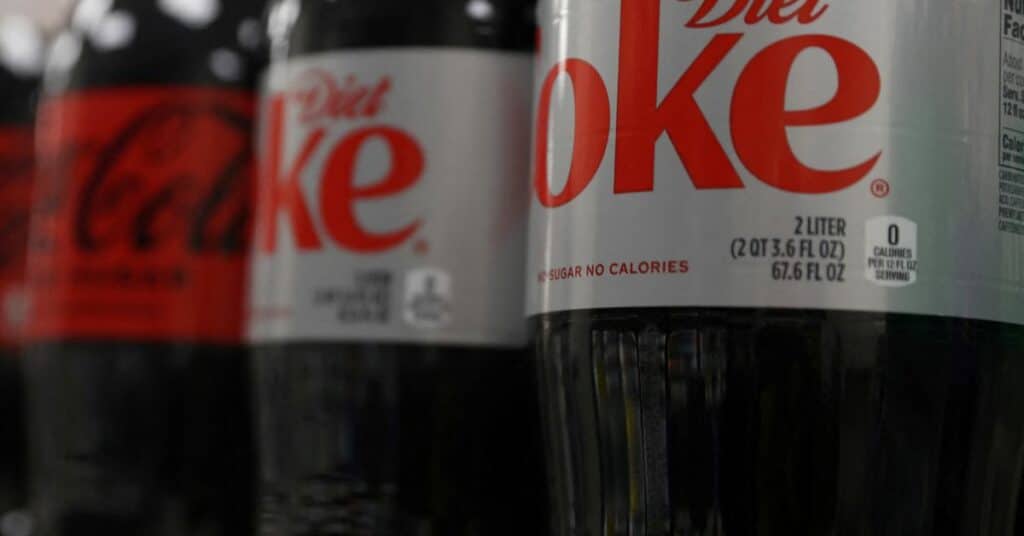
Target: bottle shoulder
[
  {"x": 298, "y": 27},
  {"x": 151, "y": 42}
]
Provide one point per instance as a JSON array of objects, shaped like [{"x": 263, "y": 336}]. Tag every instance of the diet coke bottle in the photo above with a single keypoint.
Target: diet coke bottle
[
  {"x": 395, "y": 392},
  {"x": 776, "y": 265}
]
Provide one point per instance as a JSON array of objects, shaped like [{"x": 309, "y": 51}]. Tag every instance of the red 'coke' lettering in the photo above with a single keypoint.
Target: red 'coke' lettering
[
  {"x": 758, "y": 125},
  {"x": 338, "y": 192}
]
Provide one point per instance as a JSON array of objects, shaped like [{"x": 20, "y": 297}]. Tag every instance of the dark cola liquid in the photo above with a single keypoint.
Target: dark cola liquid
[
  {"x": 12, "y": 433},
  {"x": 389, "y": 439},
  {"x": 704, "y": 422},
  {"x": 140, "y": 439},
  {"x": 145, "y": 435}
]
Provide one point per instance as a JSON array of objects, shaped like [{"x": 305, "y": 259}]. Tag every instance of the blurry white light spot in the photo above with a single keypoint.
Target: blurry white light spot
[
  {"x": 89, "y": 13},
  {"x": 65, "y": 51},
  {"x": 226, "y": 64},
  {"x": 250, "y": 33},
  {"x": 21, "y": 46},
  {"x": 115, "y": 31},
  {"x": 15, "y": 310},
  {"x": 480, "y": 9},
  {"x": 16, "y": 524},
  {"x": 192, "y": 13}
]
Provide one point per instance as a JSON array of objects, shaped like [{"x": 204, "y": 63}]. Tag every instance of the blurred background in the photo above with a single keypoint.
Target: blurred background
[{"x": 48, "y": 13}]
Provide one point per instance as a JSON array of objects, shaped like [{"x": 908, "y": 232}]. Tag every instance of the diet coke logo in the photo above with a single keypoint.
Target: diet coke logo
[
  {"x": 713, "y": 13},
  {"x": 283, "y": 194},
  {"x": 157, "y": 184},
  {"x": 759, "y": 116},
  {"x": 320, "y": 96}
]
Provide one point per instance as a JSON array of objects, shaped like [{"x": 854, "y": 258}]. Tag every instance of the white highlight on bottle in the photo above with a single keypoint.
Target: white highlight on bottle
[
  {"x": 282, "y": 16},
  {"x": 65, "y": 52},
  {"x": 21, "y": 46},
  {"x": 116, "y": 30},
  {"x": 192, "y": 13},
  {"x": 226, "y": 64},
  {"x": 17, "y": 523},
  {"x": 482, "y": 10},
  {"x": 250, "y": 34},
  {"x": 90, "y": 13}
]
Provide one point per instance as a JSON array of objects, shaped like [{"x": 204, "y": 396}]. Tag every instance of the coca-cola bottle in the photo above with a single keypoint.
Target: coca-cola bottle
[
  {"x": 21, "y": 54},
  {"x": 395, "y": 392},
  {"x": 137, "y": 376},
  {"x": 776, "y": 265}
]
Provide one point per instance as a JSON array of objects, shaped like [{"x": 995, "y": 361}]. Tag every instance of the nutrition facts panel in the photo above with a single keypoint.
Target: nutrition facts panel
[{"x": 1011, "y": 117}]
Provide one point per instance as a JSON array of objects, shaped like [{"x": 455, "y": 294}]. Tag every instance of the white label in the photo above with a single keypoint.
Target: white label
[
  {"x": 723, "y": 153},
  {"x": 392, "y": 202}
]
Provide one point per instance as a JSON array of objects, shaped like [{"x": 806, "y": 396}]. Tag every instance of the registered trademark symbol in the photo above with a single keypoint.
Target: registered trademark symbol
[
  {"x": 880, "y": 188},
  {"x": 421, "y": 247}
]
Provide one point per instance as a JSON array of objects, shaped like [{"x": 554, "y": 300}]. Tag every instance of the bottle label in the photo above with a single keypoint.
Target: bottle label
[
  {"x": 17, "y": 170},
  {"x": 392, "y": 199},
  {"x": 142, "y": 215},
  {"x": 816, "y": 154}
]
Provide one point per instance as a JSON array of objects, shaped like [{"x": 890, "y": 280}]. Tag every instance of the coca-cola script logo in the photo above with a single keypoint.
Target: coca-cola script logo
[
  {"x": 176, "y": 176},
  {"x": 759, "y": 118},
  {"x": 282, "y": 192},
  {"x": 321, "y": 97}
]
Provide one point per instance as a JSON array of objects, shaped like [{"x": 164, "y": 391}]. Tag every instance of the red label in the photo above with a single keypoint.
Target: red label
[
  {"x": 143, "y": 213},
  {"x": 16, "y": 174}
]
